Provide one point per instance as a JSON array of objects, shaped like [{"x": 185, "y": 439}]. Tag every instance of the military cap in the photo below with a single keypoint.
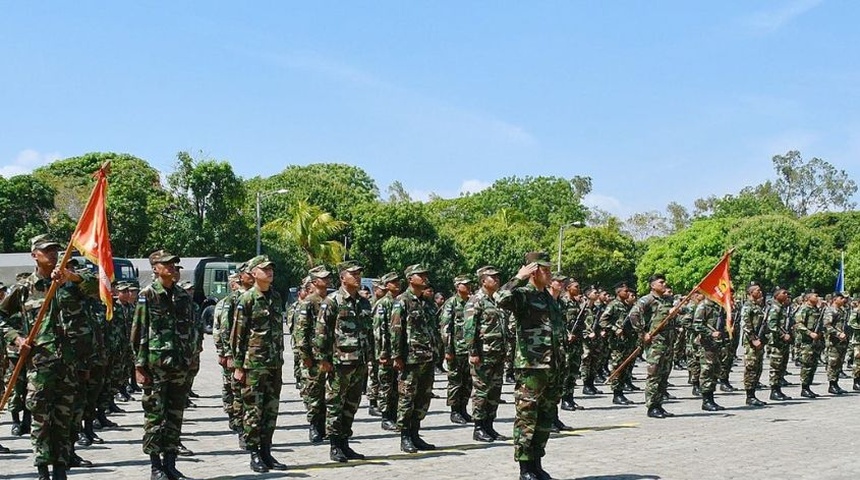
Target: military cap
[
  {"x": 121, "y": 286},
  {"x": 620, "y": 285},
  {"x": 319, "y": 272},
  {"x": 3, "y": 286},
  {"x": 186, "y": 284},
  {"x": 162, "y": 256},
  {"x": 838, "y": 294},
  {"x": 591, "y": 288},
  {"x": 389, "y": 277},
  {"x": 376, "y": 283},
  {"x": 41, "y": 242},
  {"x": 261, "y": 261},
  {"x": 243, "y": 267},
  {"x": 541, "y": 258},
  {"x": 133, "y": 285},
  {"x": 414, "y": 270},
  {"x": 487, "y": 270},
  {"x": 234, "y": 277},
  {"x": 657, "y": 276},
  {"x": 21, "y": 276},
  {"x": 559, "y": 277},
  {"x": 462, "y": 279},
  {"x": 349, "y": 266}
]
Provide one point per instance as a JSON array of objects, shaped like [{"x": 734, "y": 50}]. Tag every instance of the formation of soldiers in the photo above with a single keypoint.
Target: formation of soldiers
[{"x": 541, "y": 330}]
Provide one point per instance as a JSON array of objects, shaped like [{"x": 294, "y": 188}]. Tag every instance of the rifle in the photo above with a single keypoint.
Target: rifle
[
  {"x": 760, "y": 333},
  {"x": 578, "y": 318},
  {"x": 818, "y": 326}
]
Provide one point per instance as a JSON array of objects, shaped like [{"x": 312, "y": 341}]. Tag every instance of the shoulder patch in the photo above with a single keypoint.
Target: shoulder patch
[{"x": 141, "y": 298}]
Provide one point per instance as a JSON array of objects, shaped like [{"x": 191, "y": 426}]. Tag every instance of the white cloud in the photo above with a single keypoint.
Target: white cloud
[
  {"x": 768, "y": 21},
  {"x": 606, "y": 203},
  {"x": 26, "y": 161},
  {"x": 473, "y": 186}
]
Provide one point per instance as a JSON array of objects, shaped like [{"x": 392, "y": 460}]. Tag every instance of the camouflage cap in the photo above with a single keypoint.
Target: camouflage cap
[
  {"x": 559, "y": 277},
  {"x": 487, "y": 270},
  {"x": 22, "y": 275},
  {"x": 242, "y": 268},
  {"x": 319, "y": 272},
  {"x": 349, "y": 266},
  {"x": 462, "y": 279},
  {"x": 541, "y": 258},
  {"x": 414, "y": 270},
  {"x": 133, "y": 285},
  {"x": 389, "y": 277},
  {"x": 3, "y": 286},
  {"x": 121, "y": 286},
  {"x": 261, "y": 261},
  {"x": 234, "y": 277},
  {"x": 162, "y": 256},
  {"x": 42, "y": 242}
]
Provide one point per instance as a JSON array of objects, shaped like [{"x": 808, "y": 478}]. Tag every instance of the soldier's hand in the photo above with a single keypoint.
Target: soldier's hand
[
  {"x": 646, "y": 339},
  {"x": 786, "y": 337},
  {"x": 398, "y": 364},
  {"x": 325, "y": 366},
  {"x": 449, "y": 357},
  {"x": 842, "y": 336},
  {"x": 813, "y": 335},
  {"x": 230, "y": 362},
  {"x": 222, "y": 361},
  {"x": 22, "y": 344},
  {"x": 308, "y": 362},
  {"x": 527, "y": 271},
  {"x": 239, "y": 375},
  {"x": 571, "y": 338},
  {"x": 756, "y": 343},
  {"x": 716, "y": 334},
  {"x": 591, "y": 335},
  {"x": 475, "y": 360},
  {"x": 141, "y": 376},
  {"x": 64, "y": 275}
]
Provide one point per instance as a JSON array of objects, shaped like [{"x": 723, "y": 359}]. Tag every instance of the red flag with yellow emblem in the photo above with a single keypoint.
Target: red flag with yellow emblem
[
  {"x": 717, "y": 286},
  {"x": 91, "y": 238}
]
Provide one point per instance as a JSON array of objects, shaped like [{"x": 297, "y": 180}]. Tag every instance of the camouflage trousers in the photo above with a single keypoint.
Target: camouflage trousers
[
  {"x": 726, "y": 359},
  {"x": 50, "y": 397},
  {"x": 342, "y": 396},
  {"x": 679, "y": 348},
  {"x": 227, "y": 399},
  {"x": 693, "y": 359},
  {"x": 835, "y": 358},
  {"x": 486, "y": 387},
  {"x": 753, "y": 365},
  {"x": 297, "y": 362},
  {"x": 536, "y": 396},
  {"x": 856, "y": 370},
  {"x": 571, "y": 369},
  {"x": 193, "y": 371},
  {"x": 260, "y": 398},
  {"x": 163, "y": 407},
  {"x": 313, "y": 393},
  {"x": 238, "y": 403},
  {"x": 415, "y": 388},
  {"x": 19, "y": 392},
  {"x": 658, "y": 355},
  {"x": 779, "y": 353},
  {"x": 90, "y": 391},
  {"x": 387, "y": 398},
  {"x": 621, "y": 349},
  {"x": 808, "y": 354},
  {"x": 371, "y": 374},
  {"x": 591, "y": 355},
  {"x": 459, "y": 382}
]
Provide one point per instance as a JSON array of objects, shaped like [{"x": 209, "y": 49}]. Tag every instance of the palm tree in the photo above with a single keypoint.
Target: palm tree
[{"x": 311, "y": 229}]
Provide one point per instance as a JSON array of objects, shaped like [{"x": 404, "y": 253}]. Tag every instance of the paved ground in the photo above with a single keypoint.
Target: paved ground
[{"x": 796, "y": 439}]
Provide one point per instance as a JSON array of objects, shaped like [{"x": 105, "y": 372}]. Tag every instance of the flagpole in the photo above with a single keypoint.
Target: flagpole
[{"x": 24, "y": 349}]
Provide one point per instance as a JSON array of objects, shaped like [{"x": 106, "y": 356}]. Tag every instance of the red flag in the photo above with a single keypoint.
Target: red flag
[
  {"x": 717, "y": 286},
  {"x": 91, "y": 238}
]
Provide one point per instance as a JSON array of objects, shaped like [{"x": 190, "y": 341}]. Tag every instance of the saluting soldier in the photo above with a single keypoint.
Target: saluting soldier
[
  {"x": 456, "y": 353},
  {"x": 755, "y": 331}
]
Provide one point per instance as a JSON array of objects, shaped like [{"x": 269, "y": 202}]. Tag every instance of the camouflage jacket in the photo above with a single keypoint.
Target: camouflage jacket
[
  {"x": 65, "y": 320},
  {"x": 162, "y": 333},
  {"x": 753, "y": 317},
  {"x": 648, "y": 312},
  {"x": 775, "y": 316},
  {"x": 306, "y": 320},
  {"x": 259, "y": 330},
  {"x": 412, "y": 333},
  {"x": 806, "y": 320},
  {"x": 835, "y": 322},
  {"x": 343, "y": 329},
  {"x": 706, "y": 320},
  {"x": 484, "y": 329},
  {"x": 854, "y": 326},
  {"x": 225, "y": 313},
  {"x": 382, "y": 326},
  {"x": 452, "y": 327},
  {"x": 539, "y": 325}
]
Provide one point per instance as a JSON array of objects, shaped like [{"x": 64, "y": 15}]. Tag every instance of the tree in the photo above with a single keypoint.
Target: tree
[
  {"x": 26, "y": 210},
  {"x": 550, "y": 201},
  {"x": 599, "y": 255},
  {"x": 678, "y": 217},
  {"x": 500, "y": 240},
  {"x": 397, "y": 192},
  {"x": 816, "y": 185},
  {"x": 312, "y": 231},
  {"x": 749, "y": 202},
  {"x": 645, "y": 225}
]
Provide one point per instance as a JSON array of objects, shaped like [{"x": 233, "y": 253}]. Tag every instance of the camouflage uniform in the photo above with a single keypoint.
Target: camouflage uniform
[
  {"x": 197, "y": 334},
  {"x": 313, "y": 378},
  {"x": 292, "y": 319},
  {"x": 693, "y": 351},
  {"x": 387, "y": 398},
  {"x": 459, "y": 376},
  {"x": 592, "y": 340},
  {"x": 778, "y": 348},
  {"x": 649, "y": 311},
  {"x": 485, "y": 338},
  {"x": 806, "y": 320},
  {"x": 574, "y": 312},
  {"x": 706, "y": 322},
  {"x": 755, "y": 328},
  {"x": 94, "y": 389},
  {"x": 854, "y": 324},
  {"x": 614, "y": 319},
  {"x": 412, "y": 341},
  {"x": 835, "y": 322},
  {"x": 222, "y": 326},
  {"x": 538, "y": 360}
]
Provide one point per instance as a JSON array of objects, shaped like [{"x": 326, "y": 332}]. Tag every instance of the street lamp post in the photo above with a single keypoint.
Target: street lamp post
[
  {"x": 260, "y": 197},
  {"x": 576, "y": 224}
]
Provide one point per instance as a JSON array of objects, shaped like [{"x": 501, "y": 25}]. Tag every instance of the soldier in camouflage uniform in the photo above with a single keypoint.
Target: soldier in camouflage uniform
[
  {"x": 342, "y": 347},
  {"x": 621, "y": 340},
  {"x": 258, "y": 359},
  {"x": 292, "y": 319},
  {"x": 755, "y": 332},
  {"x": 484, "y": 336},
  {"x": 592, "y": 336},
  {"x": 382, "y": 339},
  {"x": 226, "y": 373},
  {"x": 854, "y": 327},
  {"x": 779, "y": 340},
  {"x": 93, "y": 372},
  {"x": 162, "y": 340},
  {"x": 835, "y": 324},
  {"x": 21, "y": 418},
  {"x": 573, "y": 305},
  {"x": 224, "y": 347},
  {"x": 52, "y": 381},
  {"x": 456, "y": 353},
  {"x": 412, "y": 352},
  {"x": 199, "y": 332},
  {"x": 645, "y": 315},
  {"x": 539, "y": 358},
  {"x": 709, "y": 336},
  {"x": 694, "y": 351},
  {"x": 809, "y": 332},
  {"x": 313, "y": 376}
]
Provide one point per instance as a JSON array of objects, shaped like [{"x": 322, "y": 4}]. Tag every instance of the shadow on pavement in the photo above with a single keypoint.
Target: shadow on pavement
[{"x": 621, "y": 476}]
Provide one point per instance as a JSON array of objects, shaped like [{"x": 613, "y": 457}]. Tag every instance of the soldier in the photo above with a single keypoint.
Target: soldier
[
  {"x": 53, "y": 365},
  {"x": 456, "y": 352},
  {"x": 412, "y": 351},
  {"x": 755, "y": 332},
  {"x": 199, "y": 332},
  {"x": 645, "y": 315},
  {"x": 779, "y": 318},
  {"x": 221, "y": 309},
  {"x": 313, "y": 377},
  {"x": 293, "y": 317},
  {"x": 21, "y": 418},
  {"x": 694, "y": 351},
  {"x": 258, "y": 360},
  {"x": 573, "y": 305},
  {"x": 382, "y": 338},
  {"x": 87, "y": 336},
  {"x": 226, "y": 328},
  {"x": 484, "y": 336},
  {"x": 835, "y": 323},
  {"x": 162, "y": 339},
  {"x": 342, "y": 347},
  {"x": 809, "y": 329},
  {"x": 854, "y": 325},
  {"x": 709, "y": 336},
  {"x": 592, "y": 336},
  {"x": 621, "y": 340},
  {"x": 372, "y": 380}
]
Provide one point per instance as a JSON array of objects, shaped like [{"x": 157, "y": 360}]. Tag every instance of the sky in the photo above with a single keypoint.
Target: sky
[{"x": 655, "y": 101}]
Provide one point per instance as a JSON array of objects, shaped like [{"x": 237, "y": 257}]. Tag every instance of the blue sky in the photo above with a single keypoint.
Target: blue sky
[{"x": 656, "y": 101}]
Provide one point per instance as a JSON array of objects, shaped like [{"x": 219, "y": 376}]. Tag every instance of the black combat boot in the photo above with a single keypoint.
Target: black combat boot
[
  {"x": 527, "y": 470},
  {"x": 389, "y": 424},
  {"x": 538, "y": 469},
  {"x": 805, "y": 392},
  {"x": 708, "y": 403},
  {"x": 752, "y": 400},
  {"x": 776, "y": 394},
  {"x": 419, "y": 442},
  {"x": 725, "y": 386},
  {"x": 665, "y": 413},
  {"x": 456, "y": 417},
  {"x": 349, "y": 452},
  {"x": 84, "y": 440},
  {"x": 618, "y": 398},
  {"x": 465, "y": 414},
  {"x": 406, "y": 444},
  {"x": 44, "y": 472},
  {"x": 169, "y": 463},
  {"x": 629, "y": 387},
  {"x": 588, "y": 387},
  {"x": 91, "y": 434},
  {"x": 4, "y": 449},
  {"x": 559, "y": 426},
  {"x": 856, "y": 386},
  {"x": 835, "y": 389},
  {"x": 156, "y": 468},
  {"x": 480, "y": 434},
  {"x": 257, "y": 463},
  {"x": 336, "y": 452},
  {"x": 103, "y": 420},
  {"x": 315, "y": 434},
  {"x": 75, "y": 460},
  {"x": 489, "y": 426},
  {"x": 266, "y": 456},
  {"x": 16, "y": 424},
  {"x": 373, "y": 409},
  {"x": 183, "y": 450},
  {"x": 567, "y": 403},
  {"x": 656, "y": 412},
  {"x": 697, "y": 390},
  {"x": 114, "y": 408}
]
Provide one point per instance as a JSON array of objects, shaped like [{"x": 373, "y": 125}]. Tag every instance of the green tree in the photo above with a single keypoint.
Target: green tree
[
  {"x": 26, "y": 210},
  {"x": 599, "y": 255},
  {"x": 812, "y": 186},
  {"x": 750, "y": 201},
  {"x": 313, "y": 231},
  {"x": 500, "y": 240}
]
